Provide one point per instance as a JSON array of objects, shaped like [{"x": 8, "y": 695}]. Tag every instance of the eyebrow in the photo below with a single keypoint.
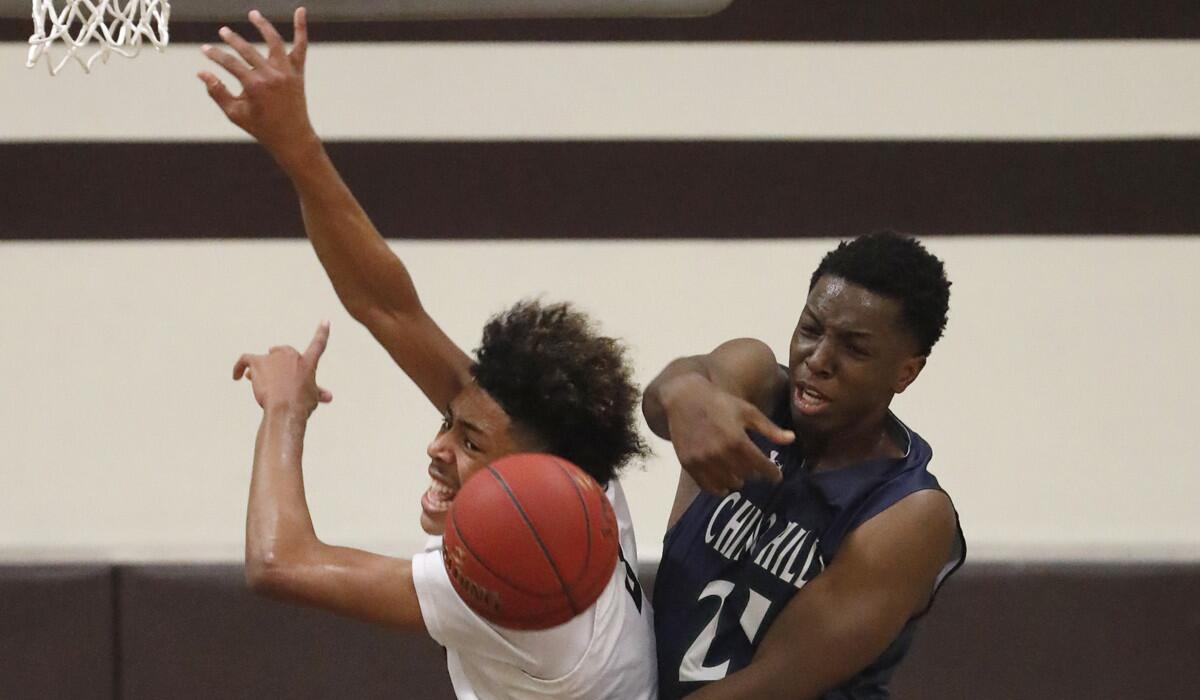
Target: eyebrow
[
  {"x": 840, "y": 331},
  {"x": 466, "y": 424}
]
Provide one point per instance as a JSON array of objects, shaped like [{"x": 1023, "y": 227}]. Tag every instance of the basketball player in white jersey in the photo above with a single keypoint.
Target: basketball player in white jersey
[{"x": 542, "y": 380}]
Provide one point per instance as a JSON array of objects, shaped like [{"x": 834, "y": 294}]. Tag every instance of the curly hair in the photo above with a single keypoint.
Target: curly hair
[
  {"x": 555, "y": 376},
  {"x": 900, "y": 268}
]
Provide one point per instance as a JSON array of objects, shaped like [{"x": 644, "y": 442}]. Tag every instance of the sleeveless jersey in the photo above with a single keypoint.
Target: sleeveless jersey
[
  {"x": 607, "y": 651},
  {"x": 731, "y": 564}
]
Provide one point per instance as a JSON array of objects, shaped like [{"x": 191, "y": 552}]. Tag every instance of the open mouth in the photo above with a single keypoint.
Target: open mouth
[
  {"x": 437, "y": 497},
  {"x": 808, "y": 400}
]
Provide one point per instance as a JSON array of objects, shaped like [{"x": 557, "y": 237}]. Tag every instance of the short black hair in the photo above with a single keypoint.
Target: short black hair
[
  {"x": 555, "y": 376},
  {"x": 898, "y": 267}
]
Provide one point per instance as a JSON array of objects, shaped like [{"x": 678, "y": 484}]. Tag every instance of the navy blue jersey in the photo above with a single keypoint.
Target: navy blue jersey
[{"x": 731, "y": 564}]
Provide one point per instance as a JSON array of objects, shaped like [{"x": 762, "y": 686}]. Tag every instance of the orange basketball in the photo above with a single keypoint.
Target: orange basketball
[{"x": 531, "y": 541}]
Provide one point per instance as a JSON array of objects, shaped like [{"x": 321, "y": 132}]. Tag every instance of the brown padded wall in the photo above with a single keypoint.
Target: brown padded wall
[
  {"x": 639, "y": 190},
  {"x": 1094, "y": 631},
  {"x": 196, "y": 632},
  {"x": 999, "y": 631},
  {"x": 56, "y": 632}
]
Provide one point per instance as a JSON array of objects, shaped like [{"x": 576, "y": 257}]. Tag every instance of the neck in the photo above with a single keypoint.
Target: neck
[{"x": 868, "y": 439}]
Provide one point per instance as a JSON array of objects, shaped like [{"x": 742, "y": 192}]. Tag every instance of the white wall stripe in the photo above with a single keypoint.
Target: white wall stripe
[
  {"x": 985, "y": 90},
  {"x": 1061, "y": 403}
]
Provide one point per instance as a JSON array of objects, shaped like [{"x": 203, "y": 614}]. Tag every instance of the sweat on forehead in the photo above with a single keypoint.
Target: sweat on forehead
[
  {"x": 899, "y": 268},
  {"x": 850, "y": 308}
]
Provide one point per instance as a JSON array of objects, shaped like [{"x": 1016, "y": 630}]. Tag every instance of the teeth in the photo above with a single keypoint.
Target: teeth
[{"x": 440, "y": 492}]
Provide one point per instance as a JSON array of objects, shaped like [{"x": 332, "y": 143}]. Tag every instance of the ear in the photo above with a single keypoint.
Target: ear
[{"x": 907, "y": 374}]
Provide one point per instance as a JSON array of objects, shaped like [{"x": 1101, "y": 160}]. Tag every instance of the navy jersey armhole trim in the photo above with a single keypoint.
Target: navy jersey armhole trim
[
  {"x": 946, "y": 573},
  {"x": 950, "y": 567}
]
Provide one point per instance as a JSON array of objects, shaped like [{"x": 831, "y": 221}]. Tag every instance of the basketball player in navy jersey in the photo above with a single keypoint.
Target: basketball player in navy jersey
[
  {"x": 541, "y": 380},
  {"x": 807, "y": 535}
]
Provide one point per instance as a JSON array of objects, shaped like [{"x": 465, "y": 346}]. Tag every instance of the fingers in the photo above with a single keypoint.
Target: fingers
[
  {"x": 324, "y": 395},
  {"x": 719, "y": 473},
  {"x": 217, "y": 91},
  {"x": 236, "y": 68},
  {"x": 248, "y": 53},
  {"x": 243, "y": 363},
  {"x": 730, "y": 468},
  {"x": 762, "y": 466},
  {"x": 317, "y": 347},
  {"x": 757, "y": 461},
  {"x": 759, "y": 423},
  {"x": 299, "y": 38},
  {"x": 275, "y": 45},
  {"x": 718, "y": 482}
]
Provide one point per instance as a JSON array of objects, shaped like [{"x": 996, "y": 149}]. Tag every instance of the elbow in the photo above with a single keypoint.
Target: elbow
[
  {"x": 367, "y": 307},
  {"x": 361, "y": 309},
  {"x": 653, "y": 412},
  {"x": 259, "y": 574},
  {"x": 380, "y": 319},
  {"x": 654, "y": 409},
  {"x": 679, "y": 376},
  {"x": 266, "y": 574}
]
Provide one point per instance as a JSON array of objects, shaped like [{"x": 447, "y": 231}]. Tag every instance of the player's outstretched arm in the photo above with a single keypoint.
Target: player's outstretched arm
[
  {"x": 842, "y": 620},
  {"x": 284, "y": 557},
  {"x": 370, "y": 280},
  {"x": 705, "y": 404}
]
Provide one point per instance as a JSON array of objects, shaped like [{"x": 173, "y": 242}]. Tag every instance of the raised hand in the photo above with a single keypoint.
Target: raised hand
[
  {"x": 272, "y": 107},
  {"x": 708, "y": 430},
  {"x": 286, "y": 379}
]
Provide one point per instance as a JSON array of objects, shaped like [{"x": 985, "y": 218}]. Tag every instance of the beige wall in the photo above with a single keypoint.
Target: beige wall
[
  {"x": 1060, "y": 405},
  {"x": 1092, "y": 89}
]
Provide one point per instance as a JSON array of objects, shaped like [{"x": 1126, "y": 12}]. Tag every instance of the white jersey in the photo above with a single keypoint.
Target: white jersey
[{"x": 607, "y": 651}]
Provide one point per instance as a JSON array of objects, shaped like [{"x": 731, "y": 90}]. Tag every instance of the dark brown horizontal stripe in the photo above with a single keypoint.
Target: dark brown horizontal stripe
[
  {"x": 623, "y": 189},
  {"x": 777, "y": 20}
]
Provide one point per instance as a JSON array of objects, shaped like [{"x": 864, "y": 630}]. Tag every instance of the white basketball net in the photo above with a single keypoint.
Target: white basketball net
[{"x": 107, "y": 25}]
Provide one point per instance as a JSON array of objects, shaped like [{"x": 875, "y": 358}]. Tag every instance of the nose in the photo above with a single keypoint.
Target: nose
[
  {"x": 439, "y": 448},
  {"x": 821, "y": 361}
]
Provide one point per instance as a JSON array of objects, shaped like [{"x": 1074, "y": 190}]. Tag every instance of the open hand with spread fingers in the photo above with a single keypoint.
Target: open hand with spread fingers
[
  {"x": 272, "y": 107},
  {"x": 286, "y": 379}
]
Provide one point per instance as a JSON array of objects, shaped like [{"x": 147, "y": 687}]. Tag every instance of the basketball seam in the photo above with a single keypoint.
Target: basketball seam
[
  {"x": 587, "y": 516},
  {"x": 537, "y": 538},
  {"x": 503, "y": 579}
]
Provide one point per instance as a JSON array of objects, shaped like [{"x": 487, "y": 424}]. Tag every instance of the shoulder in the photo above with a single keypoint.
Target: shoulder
[
  {"x": 908, "y": 544},
  {"x": 925, "y": 516},
  {"x": 926, "y": 511}
]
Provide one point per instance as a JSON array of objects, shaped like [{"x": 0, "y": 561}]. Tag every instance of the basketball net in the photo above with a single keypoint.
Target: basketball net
[{"x": 108, "y": 26}]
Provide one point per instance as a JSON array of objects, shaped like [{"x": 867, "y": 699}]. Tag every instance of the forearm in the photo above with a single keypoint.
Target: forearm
[
  {"x": 372, "y": 283},
  {"x": 801, "y": 662},
  {"x": 286, "y": 561},
  {"x": 365, "y": 273},
  {"x": 743, "y": 368},
  {"x": 664, "y": 388},
  {"x": 278, "y": 525},
  {"x": 742, "y": 685}
]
